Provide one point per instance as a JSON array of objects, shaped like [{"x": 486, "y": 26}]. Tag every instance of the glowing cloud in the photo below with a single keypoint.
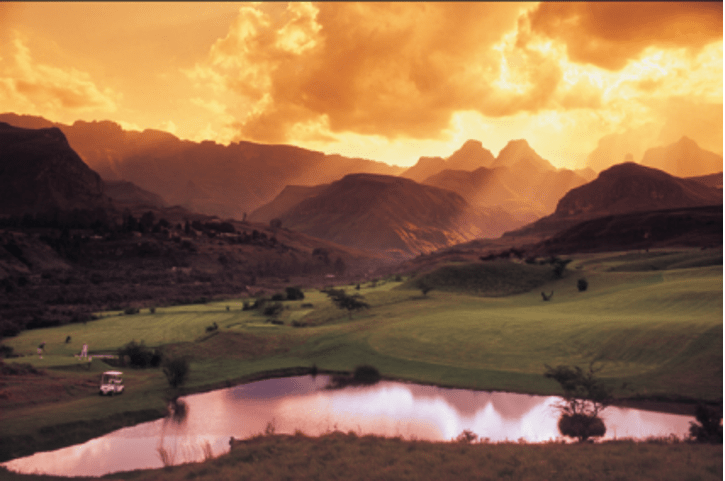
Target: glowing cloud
[{"x": 44, "y": 88}]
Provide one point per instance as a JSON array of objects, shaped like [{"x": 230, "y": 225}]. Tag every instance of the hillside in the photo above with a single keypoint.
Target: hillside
[
  {"x": 286, "y": 200},
  {"x": 40, "y": 173},
  {"x": 123, "y": 192},
  {"x": 392, "y": 215},
  {"x": 623, "y": 189},
  {"x": 710, "y": 180}
]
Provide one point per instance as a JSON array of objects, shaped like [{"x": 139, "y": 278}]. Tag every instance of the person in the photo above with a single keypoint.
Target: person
[
  {"x": 84, "y": 351},
  {"x": 40, "y": 350}
]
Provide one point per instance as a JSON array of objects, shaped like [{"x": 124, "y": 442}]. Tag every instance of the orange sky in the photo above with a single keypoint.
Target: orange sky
[{"x": 385, "y": 81}]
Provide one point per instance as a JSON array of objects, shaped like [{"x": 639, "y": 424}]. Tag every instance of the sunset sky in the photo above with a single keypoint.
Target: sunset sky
[{"x": 384, "y": 81}]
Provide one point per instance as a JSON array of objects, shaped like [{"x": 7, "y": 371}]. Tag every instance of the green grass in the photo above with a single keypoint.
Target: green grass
[
  {"x": 351, "y": 457},
  {"x": 660, "y": 332},
  {"x": 491, "y": 278}
]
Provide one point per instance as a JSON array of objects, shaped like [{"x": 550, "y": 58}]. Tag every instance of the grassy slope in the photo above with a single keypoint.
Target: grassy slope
[
  {"x": 347, "y": 456},
  {"x": 660, "y": 331}
]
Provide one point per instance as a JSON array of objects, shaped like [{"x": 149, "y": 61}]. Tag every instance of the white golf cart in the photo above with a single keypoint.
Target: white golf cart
[{"x": 111, "y": 383}]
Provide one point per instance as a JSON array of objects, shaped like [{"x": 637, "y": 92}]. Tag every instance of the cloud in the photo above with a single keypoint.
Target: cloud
[
  {"x": 610, "y": 34},
  {"x": 399, "y": 70},
  {"x": 46, "y": 88}
]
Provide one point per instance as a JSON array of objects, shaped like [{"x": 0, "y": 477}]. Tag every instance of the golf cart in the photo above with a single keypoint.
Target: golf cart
[{"x": 111, "y": 383}]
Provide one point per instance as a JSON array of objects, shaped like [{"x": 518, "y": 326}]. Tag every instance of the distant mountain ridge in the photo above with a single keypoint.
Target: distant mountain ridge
[
  {"x": 228, "y": 180},
  {"x": 683, "y": 158},
  {"x": 40, "y": 173}
]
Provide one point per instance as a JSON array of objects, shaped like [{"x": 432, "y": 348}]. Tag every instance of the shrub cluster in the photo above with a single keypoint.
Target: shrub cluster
[
  {"x": 273, "y": 309},
  {"x": 294, "y": 294},
  {"x": 708, "y": 428},
  {"x": 139, "y": 356}
]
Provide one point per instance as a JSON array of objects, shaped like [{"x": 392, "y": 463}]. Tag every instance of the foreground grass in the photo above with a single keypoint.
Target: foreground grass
[
  {"x": 656, "y": 329},
  {"x": 347, "y": 456}
]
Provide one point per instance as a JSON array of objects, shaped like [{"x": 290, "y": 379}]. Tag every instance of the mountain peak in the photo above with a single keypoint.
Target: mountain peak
[
  {"x": 685, "y": 140},
  {"x": 630, "y": 187},
  {"x": 470, "y": 157},
  {"x": 520, "y": 152},
  {"x": 683, "y": 158}
]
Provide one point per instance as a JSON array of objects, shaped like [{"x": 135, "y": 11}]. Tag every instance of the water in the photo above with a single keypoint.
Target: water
[{"x": 302, "y": 403}]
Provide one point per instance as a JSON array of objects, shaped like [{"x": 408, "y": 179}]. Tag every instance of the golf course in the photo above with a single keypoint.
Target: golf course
[{"x": 651, "y": 322}]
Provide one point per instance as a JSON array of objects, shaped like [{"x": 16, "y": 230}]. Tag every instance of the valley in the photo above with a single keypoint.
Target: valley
[{"x": 467, "y": 278}]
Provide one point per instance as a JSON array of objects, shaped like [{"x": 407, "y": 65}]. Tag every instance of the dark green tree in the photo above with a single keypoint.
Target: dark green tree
[
  {"x": 176, "y": 370},
  {"x": 344, "y": 301},
  {"x": 585, "y": 396}
]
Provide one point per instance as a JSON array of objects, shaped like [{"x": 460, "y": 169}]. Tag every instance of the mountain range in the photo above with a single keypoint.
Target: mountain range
[
  {"x": 361, "y": 204},
  {"x": 226, "y": 181}
]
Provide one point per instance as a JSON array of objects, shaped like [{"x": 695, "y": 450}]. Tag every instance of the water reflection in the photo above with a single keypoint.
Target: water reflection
[{"x": 301, "y": 403}]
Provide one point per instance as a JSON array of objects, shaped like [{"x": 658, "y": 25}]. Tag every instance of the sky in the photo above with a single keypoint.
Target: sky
[{"x": 385, "y": 81}]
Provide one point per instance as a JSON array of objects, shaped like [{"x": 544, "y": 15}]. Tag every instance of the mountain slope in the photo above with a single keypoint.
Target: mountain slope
[
  {"x": 623, "y": 189},
  {"x": 286, "y": 200},
  {"x": 684, "y": 158},
  {"x": 392, "y": 215},
  {"x": 123, "y": 192},
  {"x": 630, "y": 187},
  {"x": 40, "y": 173}
]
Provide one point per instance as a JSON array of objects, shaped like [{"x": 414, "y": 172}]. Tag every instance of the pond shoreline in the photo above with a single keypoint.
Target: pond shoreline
[{"x": 56, "y": 436}]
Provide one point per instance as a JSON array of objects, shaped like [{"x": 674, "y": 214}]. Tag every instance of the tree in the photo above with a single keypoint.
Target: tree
[
  {"x": 585, "y": 396},
  {"x": 147, "y": 221},
  {"x": 344, "y": 301},
  {"x": 424, "y": 287},
  {"x": 708, "y": 428},
  {"x": 176, "y": 370},
  {"x": 294, "y": 293},
  {"x": 340, "y": 266}
]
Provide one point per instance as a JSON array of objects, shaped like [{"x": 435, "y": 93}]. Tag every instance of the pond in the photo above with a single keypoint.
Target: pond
[{"x": 287, "y": 405}]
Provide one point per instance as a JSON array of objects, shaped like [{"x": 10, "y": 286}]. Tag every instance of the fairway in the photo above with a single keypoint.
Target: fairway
[{"x": 658, "y": 330}]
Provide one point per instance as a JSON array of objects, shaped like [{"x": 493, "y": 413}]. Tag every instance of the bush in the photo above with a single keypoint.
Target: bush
[
  {"x": 424, "y": 287},
  {"x": 708, "y": 428},
  {"x": 366, "y": 374},
  {"x": 278, "y": 297},
  {"x": 131, "y": 310},
  {"x": 176, "y": 371},
  {"x": 582, "y": 284},
  {"x": 581, "y": 426},
  {"x": 139, "y": 356},
  {"x": 344, "y": 301},
  {"x": 585, "y": 397},
  {"x": 6, "y": 351},
  {"x": 294, "y": 294},
  {"x": 559, "y": 266},
  {"x": 273, "y": 309}
]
